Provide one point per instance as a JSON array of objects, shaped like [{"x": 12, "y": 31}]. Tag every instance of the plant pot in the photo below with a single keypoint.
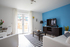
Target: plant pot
[
  {"x": 66, "y": 31},
  {"x": 0, "y": 27}
]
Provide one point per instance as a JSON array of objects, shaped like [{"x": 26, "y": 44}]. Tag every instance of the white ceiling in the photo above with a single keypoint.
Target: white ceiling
[{"x": 39, "y": 6}]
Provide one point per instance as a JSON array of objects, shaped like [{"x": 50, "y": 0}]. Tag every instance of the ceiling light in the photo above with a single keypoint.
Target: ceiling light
[{"x": 32, "y": 1}]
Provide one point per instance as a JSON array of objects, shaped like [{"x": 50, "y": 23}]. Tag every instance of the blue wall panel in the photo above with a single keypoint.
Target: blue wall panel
[{"x": 62, "y": 15}]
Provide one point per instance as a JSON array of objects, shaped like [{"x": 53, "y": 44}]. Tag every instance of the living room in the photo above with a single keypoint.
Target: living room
[{"x": 39, "y": 12}]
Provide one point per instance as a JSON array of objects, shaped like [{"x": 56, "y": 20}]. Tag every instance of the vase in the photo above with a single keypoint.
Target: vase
[
  {"x": 66, "y": 31},
  {"x": 0, "y": 27}
]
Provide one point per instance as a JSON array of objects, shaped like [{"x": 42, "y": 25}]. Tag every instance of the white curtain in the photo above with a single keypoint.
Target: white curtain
[
  {"x": 14, "y": 21},
  {"x": 30, "y": 22}
]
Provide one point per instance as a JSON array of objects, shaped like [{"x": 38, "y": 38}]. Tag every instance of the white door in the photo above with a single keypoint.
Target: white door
[{"x": 19, "y": 23}]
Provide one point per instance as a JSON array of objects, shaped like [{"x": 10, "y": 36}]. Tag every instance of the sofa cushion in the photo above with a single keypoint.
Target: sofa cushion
[
  {"x": 61, "y": 38},
  {"x": 67, "y": 34},
  {"x": 68, "y": 40}
]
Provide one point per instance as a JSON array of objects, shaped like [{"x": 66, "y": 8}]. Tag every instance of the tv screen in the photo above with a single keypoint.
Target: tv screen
[{"x": 51, "y": 22}]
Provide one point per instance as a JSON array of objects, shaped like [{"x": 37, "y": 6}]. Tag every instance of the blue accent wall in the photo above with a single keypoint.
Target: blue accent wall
[{"x": 62, "y": 15}]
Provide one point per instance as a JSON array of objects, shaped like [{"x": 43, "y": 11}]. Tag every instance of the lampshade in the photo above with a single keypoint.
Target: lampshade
[{"x": 41, "y": 21}]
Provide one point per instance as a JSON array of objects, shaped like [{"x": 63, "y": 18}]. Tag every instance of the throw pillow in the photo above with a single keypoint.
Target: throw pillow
[{"x": 67, "y": 34}]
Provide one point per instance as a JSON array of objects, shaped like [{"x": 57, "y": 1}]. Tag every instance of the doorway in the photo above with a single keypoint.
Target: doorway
[{"x": 22, "y": 23}]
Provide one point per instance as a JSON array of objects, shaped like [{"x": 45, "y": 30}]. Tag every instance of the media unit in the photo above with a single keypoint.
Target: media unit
[{"x": 56, "y": 31}]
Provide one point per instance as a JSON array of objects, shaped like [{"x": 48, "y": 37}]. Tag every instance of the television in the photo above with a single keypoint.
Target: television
[{"x": 51, "y": 22}]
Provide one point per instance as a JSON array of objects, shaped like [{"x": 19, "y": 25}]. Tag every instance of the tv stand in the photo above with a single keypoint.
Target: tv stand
[{"x": 56, "y": 31}]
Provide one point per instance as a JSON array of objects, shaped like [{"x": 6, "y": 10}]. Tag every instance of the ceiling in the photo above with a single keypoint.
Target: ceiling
[{"x": 39, "y": 6}]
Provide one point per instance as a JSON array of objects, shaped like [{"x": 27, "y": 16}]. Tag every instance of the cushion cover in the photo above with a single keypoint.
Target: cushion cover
[{"x": 67, "y": 34}]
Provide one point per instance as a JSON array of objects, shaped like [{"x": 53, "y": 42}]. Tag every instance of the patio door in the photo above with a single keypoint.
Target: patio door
[
  {"x": 22, "y": 23},
  {"x": 19, "y": 23},
  {"x": 25, "y": 23}
]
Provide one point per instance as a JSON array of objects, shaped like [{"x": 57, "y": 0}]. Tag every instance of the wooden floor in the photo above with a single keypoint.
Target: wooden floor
[{"x": 23, "y": 42}]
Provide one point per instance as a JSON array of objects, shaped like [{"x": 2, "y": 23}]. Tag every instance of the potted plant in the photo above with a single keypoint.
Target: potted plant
[{"x": 66, "y": 29}]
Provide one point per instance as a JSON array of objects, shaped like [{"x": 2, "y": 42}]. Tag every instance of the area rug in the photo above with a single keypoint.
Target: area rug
[{"x": 34, "y": 40}]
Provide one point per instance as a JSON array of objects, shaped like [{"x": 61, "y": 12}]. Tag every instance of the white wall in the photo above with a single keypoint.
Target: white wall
[
  {"x": 6, "y": 15},
  {"x": 9, "y": 16},
  {"x": 36, "y": 24}
]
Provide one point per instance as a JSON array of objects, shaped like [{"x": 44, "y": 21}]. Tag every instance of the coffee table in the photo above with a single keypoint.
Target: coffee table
[{"x": 38, "y": 33}]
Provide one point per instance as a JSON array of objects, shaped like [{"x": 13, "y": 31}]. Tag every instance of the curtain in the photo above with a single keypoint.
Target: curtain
[
  {"x": 30, "y": 22},
  {"x": 14, "y": 21}
]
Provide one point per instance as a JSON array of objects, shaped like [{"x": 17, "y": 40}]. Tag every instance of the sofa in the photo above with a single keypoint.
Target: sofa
[
  {"x": 55, "y": 42},
  {"x": 9, "y": 41}
]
